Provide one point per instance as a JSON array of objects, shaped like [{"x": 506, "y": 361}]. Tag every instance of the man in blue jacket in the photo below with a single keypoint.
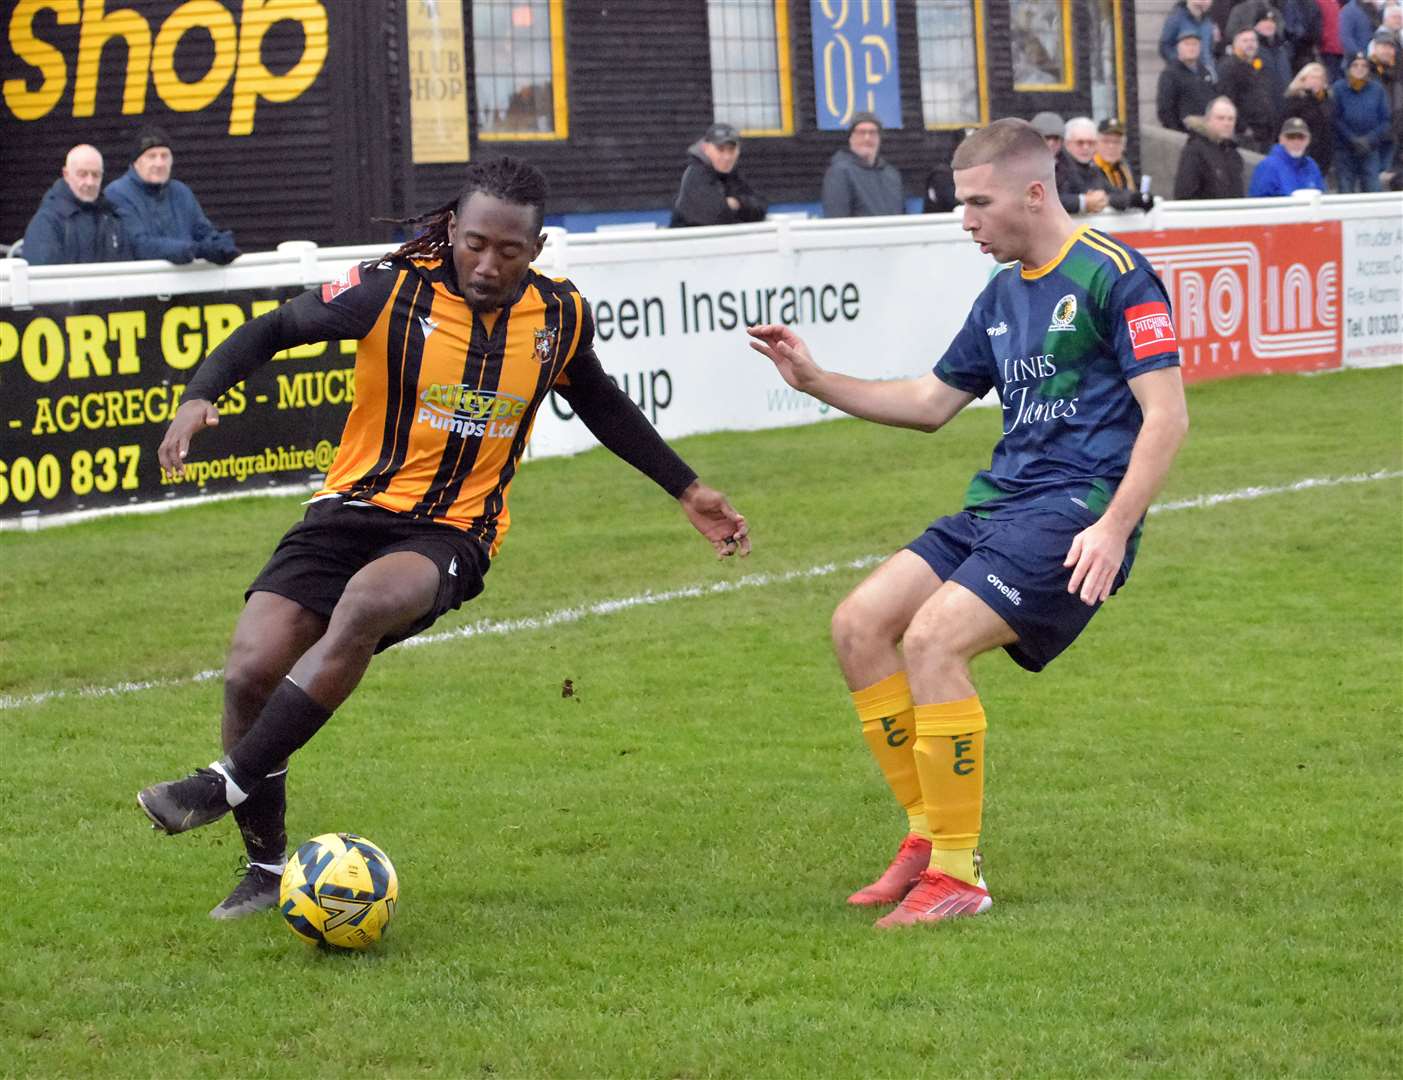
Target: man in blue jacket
[
  {"x": 1360, "y": 112},
  {"x": 1358, "y": 21},
  {"x": 162, "y": 215},
  {"x": 74, "y": 222},
  {"x": 1190, "y": 15},
  {"x": 1287, "y": 168}
]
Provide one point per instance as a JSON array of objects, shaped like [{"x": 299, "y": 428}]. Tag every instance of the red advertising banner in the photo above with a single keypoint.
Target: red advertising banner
[{"x": 1251, "y": 300}]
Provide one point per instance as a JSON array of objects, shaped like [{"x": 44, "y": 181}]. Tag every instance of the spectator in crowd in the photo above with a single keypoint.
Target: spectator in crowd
[
  {"x": 161, "y": 214},
  {"x": 858, "y": 182},
  {"x": 1287, "y": 168},
  {"x": 1211, "y": 165},
  {"x": 1360, "y": 115},
  {"x": 1393, "y": 21},
  {"x": 939, "y": 195},
  {"x": 1122, "y": 189},
  {"x": 1080, "y": 186},
  {"x": 1383, "y": 55},
  {"x": 1185, "y": 85},
  {"x": 1358, "y": 21},
  {"x": 1300, "y": 27},
  {"x": 1308, "y": 97},
  {"x": 1191, "y": 15},
  {"x": 1241, "y": 78},
  {"x": 712, "y": 191},
  {"x": 1272, "y": 49},
  {"x": 1331, "y": 51},
  {"x": 75, "y": 223},
  {"x": 1049, "y": 125}
]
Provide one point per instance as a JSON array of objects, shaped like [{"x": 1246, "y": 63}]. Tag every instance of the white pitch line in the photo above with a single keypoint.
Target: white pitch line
[{"x": 564, "y": 616}]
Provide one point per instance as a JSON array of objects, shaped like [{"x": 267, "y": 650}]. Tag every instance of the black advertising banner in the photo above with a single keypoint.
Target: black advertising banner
[{"x": 87, "y": 391}]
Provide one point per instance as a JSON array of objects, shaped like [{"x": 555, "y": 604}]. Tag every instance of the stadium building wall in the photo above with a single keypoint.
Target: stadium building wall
[{"x": 274, "y": 159}]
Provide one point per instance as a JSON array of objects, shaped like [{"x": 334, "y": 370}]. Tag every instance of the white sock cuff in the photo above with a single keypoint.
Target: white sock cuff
[
  {"x": 233, "y": 794},
  {"x": 272, "y": 868}
]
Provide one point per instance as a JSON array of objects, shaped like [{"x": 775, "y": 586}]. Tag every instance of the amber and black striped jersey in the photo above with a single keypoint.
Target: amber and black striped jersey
[{"x": 445, "y": 397}]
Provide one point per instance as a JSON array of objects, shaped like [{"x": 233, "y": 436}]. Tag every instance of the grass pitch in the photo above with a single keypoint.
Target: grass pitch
[{"x": 1191, "y": 829}]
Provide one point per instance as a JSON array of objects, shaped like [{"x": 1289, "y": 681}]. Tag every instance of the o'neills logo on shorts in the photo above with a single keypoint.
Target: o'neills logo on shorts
[
  {"x": 468, "y": 411},
  {"x": 1014, "y": 596}
]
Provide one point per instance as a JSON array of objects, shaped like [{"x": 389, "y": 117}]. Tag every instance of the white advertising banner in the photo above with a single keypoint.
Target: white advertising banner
[
  {"x": 670, "y": 328},
  {"x": 1373, "y": 293}
]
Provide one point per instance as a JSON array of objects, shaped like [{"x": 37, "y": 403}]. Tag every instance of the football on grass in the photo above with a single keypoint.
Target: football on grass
[{"x": 339, "y": 889}]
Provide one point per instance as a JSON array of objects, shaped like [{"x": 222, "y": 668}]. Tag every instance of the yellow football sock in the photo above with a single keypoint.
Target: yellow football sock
[
  {"x": 885, "y": 712},
  {"x": 949, "y": 755}
]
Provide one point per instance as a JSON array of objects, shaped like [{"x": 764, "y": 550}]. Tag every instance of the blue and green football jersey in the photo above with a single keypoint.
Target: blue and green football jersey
[{"x": 1061, "y": 344}]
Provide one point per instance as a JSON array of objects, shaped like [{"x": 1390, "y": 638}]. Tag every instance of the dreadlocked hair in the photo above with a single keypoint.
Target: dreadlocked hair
[{"x": 507, "y": 178}]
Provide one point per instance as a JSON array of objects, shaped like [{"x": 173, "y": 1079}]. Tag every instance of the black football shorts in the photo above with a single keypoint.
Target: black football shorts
[{"x": 335, "y": 539}]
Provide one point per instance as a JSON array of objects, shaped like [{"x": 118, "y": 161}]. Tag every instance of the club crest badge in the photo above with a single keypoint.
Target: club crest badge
[
  {"x": 545, "y": 343},
  {"x": 1064, "y": 315}
]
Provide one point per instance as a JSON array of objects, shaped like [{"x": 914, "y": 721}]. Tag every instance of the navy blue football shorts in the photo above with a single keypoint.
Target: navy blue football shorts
[
  {"x": 1013, "y": 563},
  {"x": 335, "y": 539}
]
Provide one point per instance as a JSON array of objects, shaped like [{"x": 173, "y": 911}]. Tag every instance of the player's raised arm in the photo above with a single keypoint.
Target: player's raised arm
[{"x": 925, "y": 402}]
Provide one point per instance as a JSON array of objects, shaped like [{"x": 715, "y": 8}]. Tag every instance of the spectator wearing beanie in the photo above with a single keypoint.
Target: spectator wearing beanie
[
  {"x": 858, "y": 182},
  {"x": 161, "y": 214},
  {"x": 1190, "y": 16},
  {"x": 1242, "y": 78},
  {"x": 1360, "y": 115}
]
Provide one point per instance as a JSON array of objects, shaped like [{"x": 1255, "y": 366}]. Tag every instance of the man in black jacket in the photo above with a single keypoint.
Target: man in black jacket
[
  {"x": 75, "y": 223},
  {"x": 1185, "y": 85},
  {"x": 712, "y": 191},
  {"x": 1242, "y": 77},
  {"x": 1211, "y": 165}
]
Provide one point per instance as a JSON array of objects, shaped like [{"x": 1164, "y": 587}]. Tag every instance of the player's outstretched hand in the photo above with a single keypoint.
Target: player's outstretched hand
[
  {"x": 192, "y": 417},
  {"x": 714, "y": 518},
  {"x": 788, "y": 352},
  {"x": 1095, "y": 557}
]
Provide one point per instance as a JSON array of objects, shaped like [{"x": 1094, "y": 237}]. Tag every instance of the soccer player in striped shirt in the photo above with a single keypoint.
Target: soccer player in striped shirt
[
  {"x": 1075, "y": 334},
  {"x": 460, "y": 342}
]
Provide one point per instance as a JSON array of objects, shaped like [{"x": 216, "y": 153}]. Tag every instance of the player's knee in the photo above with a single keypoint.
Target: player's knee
[
  {"x": 927, "y": 645},
  {"x": 249, "y": 679},
  {"x": 853, "y": 625}
]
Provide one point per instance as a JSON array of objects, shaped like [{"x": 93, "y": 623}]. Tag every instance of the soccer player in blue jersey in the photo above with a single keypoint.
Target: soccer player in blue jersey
[{"x": 1075, "y": 335}]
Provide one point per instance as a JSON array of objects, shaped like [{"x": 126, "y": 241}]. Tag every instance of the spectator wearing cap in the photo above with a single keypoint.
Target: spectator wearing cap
[
  {"x": 1331, "y": 50},
  {"x": 1288, "y": 167},
  {"x": 162, "y": 214},
  {"x": 1360, "y": 116},
  {"x": 75, "y": 223},
  {"x": 1186, "y": 85},
  {"x": 1122, "y": 190},
  {"x": 712, "y": 191},
  {"x": 1049, "y": 125},
  {"x": 1358, "y": 21},
  {"x": 858, "y": 182},
  {"x": 1190, "y": 15},
  {"x": 1242, "y": 78},
  {"x": 1383, "y": 56},
  {"x": 1308, "y": 97},
  {"x": 1211, "y": 165},
  {"x": 1080, "y": 186}
]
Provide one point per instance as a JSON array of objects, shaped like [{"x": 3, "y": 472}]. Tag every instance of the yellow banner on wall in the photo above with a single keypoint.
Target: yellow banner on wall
[{"x": 438, "y": 88}]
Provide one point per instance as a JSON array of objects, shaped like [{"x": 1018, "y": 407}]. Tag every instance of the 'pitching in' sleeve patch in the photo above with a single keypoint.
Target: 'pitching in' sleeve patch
[
  {"x": 351, "y": 278},
  {"x": 1151, "y": 330}
]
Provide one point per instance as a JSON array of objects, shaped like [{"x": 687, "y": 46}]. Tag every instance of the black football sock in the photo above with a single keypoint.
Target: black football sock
[
  {"x": 288, "y": 720},
  {"x": 261, "y": 819}
]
